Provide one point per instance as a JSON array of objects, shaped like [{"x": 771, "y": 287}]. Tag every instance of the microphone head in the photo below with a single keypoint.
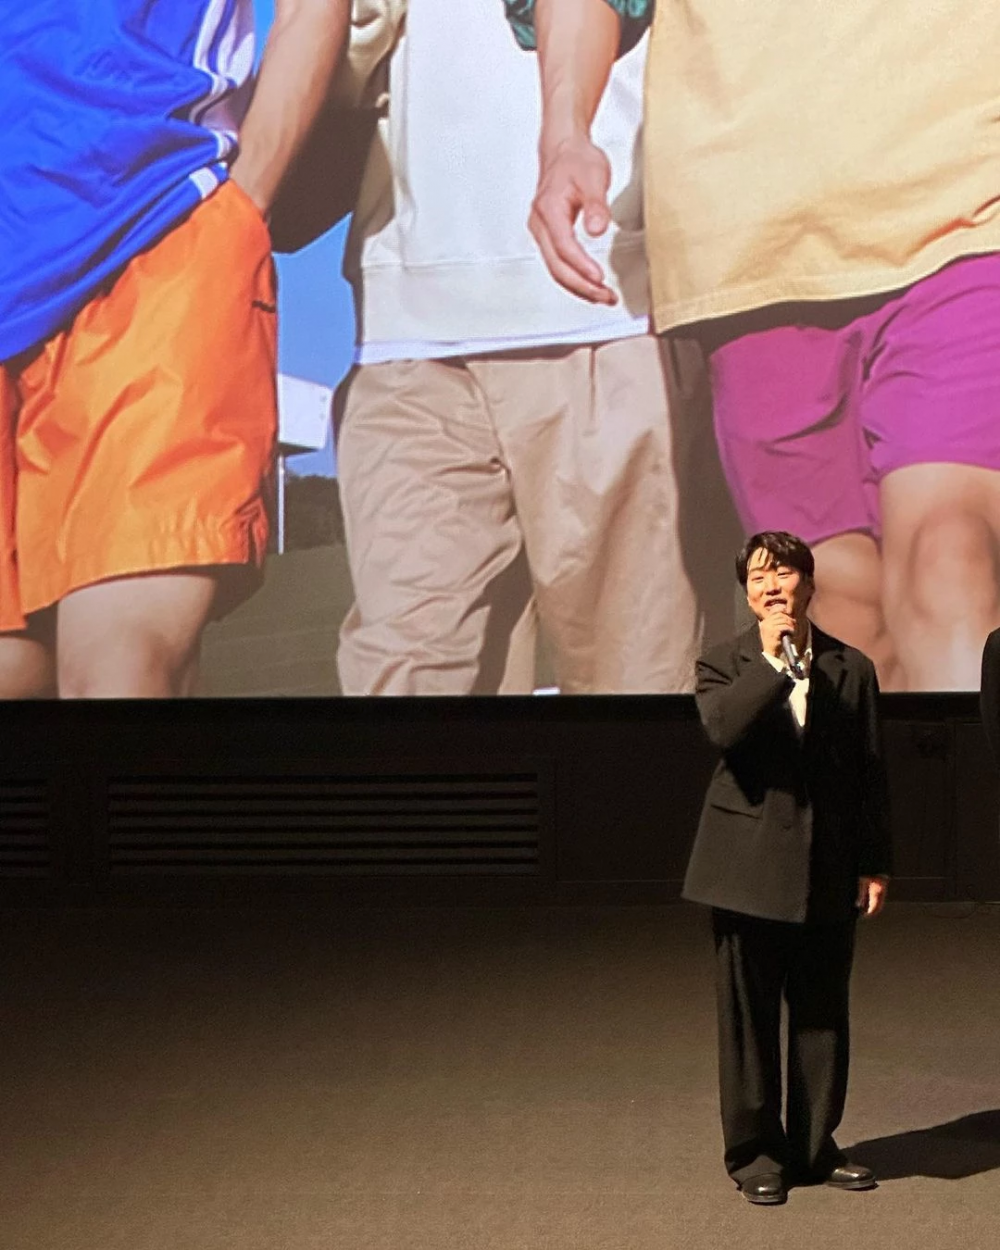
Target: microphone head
[{"x": 791, "y": 654}]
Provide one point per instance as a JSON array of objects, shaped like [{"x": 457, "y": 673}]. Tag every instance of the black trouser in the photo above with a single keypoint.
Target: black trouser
[{"x": 756, "y": 962}]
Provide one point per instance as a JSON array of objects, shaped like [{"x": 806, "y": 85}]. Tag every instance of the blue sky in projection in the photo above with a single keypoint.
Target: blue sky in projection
[{"x": 316, "y": 321}]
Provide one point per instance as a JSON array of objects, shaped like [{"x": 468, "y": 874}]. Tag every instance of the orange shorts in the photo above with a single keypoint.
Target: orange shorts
[{"x": 141, "y": 438}]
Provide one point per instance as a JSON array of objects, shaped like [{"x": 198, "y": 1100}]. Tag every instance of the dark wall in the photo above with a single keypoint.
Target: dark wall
[{"x": 544, "y": 799}]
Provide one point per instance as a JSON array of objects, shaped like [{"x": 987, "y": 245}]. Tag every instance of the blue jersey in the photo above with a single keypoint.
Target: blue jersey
[{"x": 117, "y": 117}]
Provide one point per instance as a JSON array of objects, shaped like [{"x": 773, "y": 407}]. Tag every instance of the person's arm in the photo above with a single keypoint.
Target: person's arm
[
  {"x": 876, "y": 851},
  {"x": 302, "y": 51},
  {"x": 731, "y": 704},
  {"x": 577, "y": 43},
  {"x": 324, "y": 182}
]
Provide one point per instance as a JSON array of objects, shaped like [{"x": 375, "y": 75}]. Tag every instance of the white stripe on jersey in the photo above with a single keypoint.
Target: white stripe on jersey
[
  {"x": 206, "y": 182},
  {"x": 233, "y": 68}
]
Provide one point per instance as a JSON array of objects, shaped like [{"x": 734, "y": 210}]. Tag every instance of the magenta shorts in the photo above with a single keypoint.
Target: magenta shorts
[{"x": 816, "y": 403}]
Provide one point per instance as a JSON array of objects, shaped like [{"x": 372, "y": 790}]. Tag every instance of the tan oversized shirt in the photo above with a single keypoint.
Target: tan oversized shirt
[
  {"x": 812, "y": 149},
  {"x": 817, "y": 149}
]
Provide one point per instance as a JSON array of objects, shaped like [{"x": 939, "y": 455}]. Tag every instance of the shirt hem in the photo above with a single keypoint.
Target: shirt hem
[
  {"x": 671, "y": 314},
  {"x": 494, "y": 299}
]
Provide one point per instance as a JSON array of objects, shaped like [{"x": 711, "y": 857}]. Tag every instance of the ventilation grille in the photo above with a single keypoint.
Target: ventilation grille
[
  {"x": 359, "y": 825},
  {"x": 24, "y": 829}
]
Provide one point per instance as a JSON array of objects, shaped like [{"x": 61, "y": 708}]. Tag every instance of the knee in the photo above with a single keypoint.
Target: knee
[
  {"x": 25, "y": 672},
  {"x": 128, "y": 668},
  {"x": 948, "y": 549}
]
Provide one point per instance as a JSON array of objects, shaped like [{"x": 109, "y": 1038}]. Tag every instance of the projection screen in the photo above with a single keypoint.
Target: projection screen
[{"x": 399, "y": 457}]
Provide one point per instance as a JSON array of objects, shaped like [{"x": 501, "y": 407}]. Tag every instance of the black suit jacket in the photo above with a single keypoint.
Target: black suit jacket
[
  {"x": 989, "y": 693},
  {"x": 790, "y": 821}
]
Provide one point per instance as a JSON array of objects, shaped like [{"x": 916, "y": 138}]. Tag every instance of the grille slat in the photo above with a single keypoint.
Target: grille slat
[
  {"x": 290, "y": 817},
  {"x": 252, "y": 841}
]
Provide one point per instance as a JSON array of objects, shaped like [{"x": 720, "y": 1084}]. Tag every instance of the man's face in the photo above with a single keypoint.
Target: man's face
[{"x": 772, "y": 586}]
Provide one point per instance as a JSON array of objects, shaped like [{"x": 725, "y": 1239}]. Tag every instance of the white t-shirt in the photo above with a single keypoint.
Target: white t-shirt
[{"x": 439, "y": 252}]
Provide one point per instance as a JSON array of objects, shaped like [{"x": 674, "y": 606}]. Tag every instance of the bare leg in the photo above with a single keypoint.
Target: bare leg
[
  {"x": 941, "y": 551},
  {"x": 135, "y": 637},
  {"x": 848, "y": 601},
  {"x": 27, "y": 660}
]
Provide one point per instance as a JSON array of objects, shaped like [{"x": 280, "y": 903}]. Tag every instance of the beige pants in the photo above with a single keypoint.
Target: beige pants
[{"x": 478, "y": 491}]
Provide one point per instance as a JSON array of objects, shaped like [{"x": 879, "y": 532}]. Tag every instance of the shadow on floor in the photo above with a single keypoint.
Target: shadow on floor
[{"x": 950, "y": 1151}]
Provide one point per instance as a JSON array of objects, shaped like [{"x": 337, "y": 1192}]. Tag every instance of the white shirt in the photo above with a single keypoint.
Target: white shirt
[
  {"x": 439, "y": 252},
  {"x": 800, "y": 692}
]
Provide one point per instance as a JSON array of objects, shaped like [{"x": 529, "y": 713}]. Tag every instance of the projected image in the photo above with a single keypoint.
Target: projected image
[
  {"x": 521, "y": 479},
  {"x": 138, "y": 328},
  {"x": 826, "y": 222},
  {"x": 439, "y": 455}
]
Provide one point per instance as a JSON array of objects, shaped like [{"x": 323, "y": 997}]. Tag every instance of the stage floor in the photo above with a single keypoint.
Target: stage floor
[{"x": 440, "y": 1079}]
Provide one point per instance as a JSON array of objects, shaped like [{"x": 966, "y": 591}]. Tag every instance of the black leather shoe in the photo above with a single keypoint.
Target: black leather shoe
[
  {"x": 767, "y": 1189},
  {"x": 851, "y": 1176}
]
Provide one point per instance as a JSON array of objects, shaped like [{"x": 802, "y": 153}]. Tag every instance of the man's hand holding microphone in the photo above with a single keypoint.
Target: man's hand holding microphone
[{"x": 776, "y": 625}]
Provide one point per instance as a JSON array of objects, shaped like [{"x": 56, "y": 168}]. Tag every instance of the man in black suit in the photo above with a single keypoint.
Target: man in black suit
[
  {"x": 989, "y": 692},
  {"x": 792, "y": 846}
]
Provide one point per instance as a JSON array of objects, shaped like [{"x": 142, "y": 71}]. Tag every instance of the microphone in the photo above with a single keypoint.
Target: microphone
[{"x": 791, "y": 655}]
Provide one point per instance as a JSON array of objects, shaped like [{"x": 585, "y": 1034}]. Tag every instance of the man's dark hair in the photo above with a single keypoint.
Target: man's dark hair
[{"x": 782, "y": 547}]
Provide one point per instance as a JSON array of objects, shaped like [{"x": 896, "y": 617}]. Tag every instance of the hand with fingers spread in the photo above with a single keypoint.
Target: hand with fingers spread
[{"x": 573, "y": 183}]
